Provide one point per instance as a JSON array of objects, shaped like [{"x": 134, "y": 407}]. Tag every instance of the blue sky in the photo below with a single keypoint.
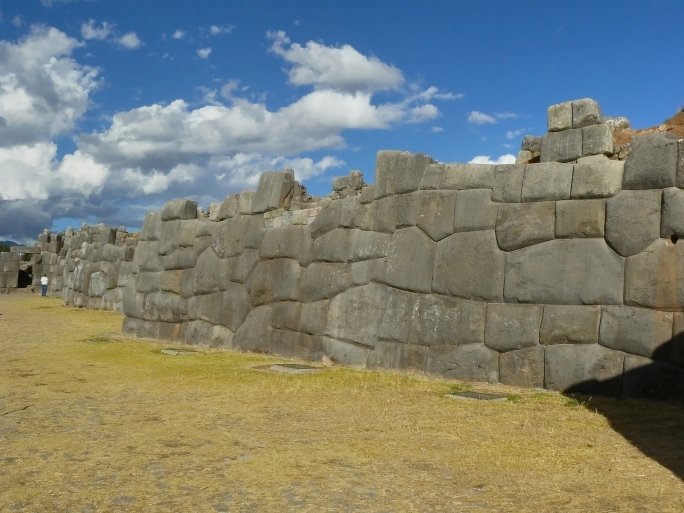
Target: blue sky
[{"x": 108, "y": 108}]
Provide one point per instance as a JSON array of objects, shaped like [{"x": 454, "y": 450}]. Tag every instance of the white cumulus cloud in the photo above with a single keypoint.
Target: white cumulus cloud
[
  {"x": 480, "y": 118},
  {"x": 486, "y": 159},
  {"x": 204, "y": 53},
  {"x": 129, "y": 41},
  {"x": 91, "y": 30},
  {"x": 178, "y": 34}
]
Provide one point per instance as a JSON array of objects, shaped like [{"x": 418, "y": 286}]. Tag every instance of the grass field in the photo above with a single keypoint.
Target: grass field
[{"x": 94, "y": 422}]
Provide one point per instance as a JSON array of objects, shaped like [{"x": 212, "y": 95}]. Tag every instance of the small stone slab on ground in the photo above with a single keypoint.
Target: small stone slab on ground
[
  {"x": 477, "y": 396},
  {"x": 289, "y": 368},
  {"x": 178, "y": 352}
]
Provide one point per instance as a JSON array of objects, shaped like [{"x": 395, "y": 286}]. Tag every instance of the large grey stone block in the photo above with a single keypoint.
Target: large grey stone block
[
  {"x": 672, "y": 222},
  {"x": 228, "y": 207},
  {"x": 597, "y": 177},
  {"x": 524, "y": 224},
  {"x": 274, "y": 191},
  {"x": 396, "y": 355},
  {"x": 511, "y": 326},
  {"x": 583, "y": 368},
  {"x": 228, "y": 308},
  {"x": 633, "y": 220},
  {"x": 176, "y": 234},
  {"x": 240, "y": 267},
  {"x": 634, "y": 330},
  {"x": 255, "y": 333},
  {"x": 585, "y": 112},
  {"x": 343, "y": 245},
  {"x": 508, "y": 181},
  {"x": 288, "y": 242},
  {"x": 597, "y": 140},
  {"x": 469, "y": 265},
  {"x": 286, "y": 316},
  {"x": 181, "y": 258},
  {"x": 313, "y": 317},
  {"x": 147, "y": 256},
  {"x": 322, "y": 280},
  {"x": 680, "y": 163},
  {"x": 407, "y": 208},
  {"x": 147, "y": 282},
  {"x": 436, "y": 213},
  {"x": 245, "y": 201},
  {"x": 580, "y": 218},
  {"x": 547, "y": 181},
  {"x": 522, "y": 367},
  {"x": 181, "y": 282},
  {"x": 570, "y": 324},
  {"x": 345, "y": 352},
  {"x": 565, "y": 271},
  {"x": 275, "y": 280},
  {"x": 647, "y": 378},
  {"x": 211, "y": 273},
  {"x": 399, "y": 172},
  {"x": 458, "y": 176},
  {"x": 409, "y": 261},
  {"x": 474, "y": 211},
  {"x": 379, "y": 216},
  {"x": 652, "y": 162},
  {"x": 559, "y": 117},
  {"x": 335, "y": 214},
  {"x": 179, "y": 209},
  {"x": 655, "y": 277},
  {"x": 562, "y": 146},
  {"x": 165, "y": 306},
  {"x": 355, "y": 314},
  {"x": 297, "y": 345},
  {"x": 470, "y": 362}
]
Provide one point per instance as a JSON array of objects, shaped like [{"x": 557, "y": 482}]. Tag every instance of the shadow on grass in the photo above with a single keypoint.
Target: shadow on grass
[{"x": 650, "y": 411}]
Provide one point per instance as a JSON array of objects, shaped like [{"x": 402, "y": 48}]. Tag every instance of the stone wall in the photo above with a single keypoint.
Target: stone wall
[{"x": 563, "y": 271}]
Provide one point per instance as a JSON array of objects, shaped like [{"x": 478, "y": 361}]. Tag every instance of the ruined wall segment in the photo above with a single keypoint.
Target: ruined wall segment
[{"x": 561, "y": 271}]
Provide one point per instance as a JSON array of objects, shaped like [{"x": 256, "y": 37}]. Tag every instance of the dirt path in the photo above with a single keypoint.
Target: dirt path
[{"x": 91, "y": 422}]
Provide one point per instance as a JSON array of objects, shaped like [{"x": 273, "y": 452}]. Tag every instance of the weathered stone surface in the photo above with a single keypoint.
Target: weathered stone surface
[
  {"x": 559, "y": 117},
  {"x": 395, "y": 355},
  {"x": 524, "y": 224},
  {"x": 672, "y": 222},
  {"x": 476, "y": 252},
  {"x": 98, "y": 284},
  {"x": 179, "y": 209},
  {"x": 583, "y": 368},
  {"x": 651, "y": 379},
  {"x": 197, "y": 332},
  {"x": 570, "y": 324},
  {"x": 458, "y": 176},
  {"x": 511, "y": 326},
  {"x": 153, "y": 329},
  {"x": 436, "y": 213},
  {"x": 532, "y": 143},
  {"x": 181, "y": 282},
  {"x": 211, "y": 273},
  {"x": 275, "y": 280},
  {"x": 597, "y": 139},
  {"x": 580, "y": 218},
  {"x": 165, "y": 306},
  {"x": 342, "y": 245},
  {"x": 336, "y": 214},
  {"x": 297, "y": 345},
  {"x": 345, "y": 352},
  {"x": 286, "y": 316},
  {"x": 151, "y": 227},
  {"x": 181, "y": 258},
  {"x": 274, "y": 191},
  {"x": 409, "y": 261},
  {"x": 655, "y": 277},
  {"x": 522, "y": 367},
  {"x": 547, "y": 181},
  {"x": 652, "y": 162},
  {"x": 255, "y": 333},
  {"x": 508, "y": 181},
  {"x": 562, "y": 146},
  {"x": 287, "y": 242},
  {"x": 378, "y": 216},
  {"x": 245, "y": 202},
  {"x": 355, "y": 314},
  {"x": 228, "y": 207},
  {"x": 147, "y": 256},
  {"x": 176, "y": 234},
  {"x": 680, "y": 163},
  {"x": 634, "y": 330},
  {"x": 322, "y": 280},
  {"x": 471, "y": 362},
  {"x": 474, "y": 211},
  {"x": 565, "y": 271},
  {"x": 399, "y": 171},
  {"x": 585, "y": 112},
  {"x": 633, "y": 220},
  {"x": 407, "y": 208},
  {"x": 111, "y": 253},
  {"x": 147, "y": 282},
  {"x": 597, "y": 177},
  {"x": 228, "y": 308},
  {"x": 313, "y": 317},
  {"x": 240, "y": 267}
]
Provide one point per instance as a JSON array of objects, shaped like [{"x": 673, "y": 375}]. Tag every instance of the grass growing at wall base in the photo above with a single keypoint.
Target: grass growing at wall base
[{"x": 92, "y": 421}]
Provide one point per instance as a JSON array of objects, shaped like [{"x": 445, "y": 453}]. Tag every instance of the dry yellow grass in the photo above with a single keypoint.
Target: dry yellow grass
[{"x": 93, "y": 422}]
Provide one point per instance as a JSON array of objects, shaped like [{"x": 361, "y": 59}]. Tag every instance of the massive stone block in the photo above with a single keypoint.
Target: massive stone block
[
  {"x": 228, "y": 308},
  {"x": 379, "y": 216},
  {"x": 274, "y": 191},
  {"x": 647, "y": 378},
  {"x": 652, "y": 162},
  {"x": 342, "y": 245},
  {"x": 547, "y": 181},
  {"x": 396, "y": 355},
  {"x": 580, "y": 218},
  {"x": 165, "y": 306},
  {"x": 680, "y": 163},
  {"x": 469, "y": 265},
  {"x": 255, "y": 333},
  {"x": 470, "y": 362},
  {"x": 409, "y": 261},
  {"x": 399, "y": 172},
  {"x": 635, "y": 330},
  {"x": 522, "y": 367},
  {"x": 565, "y": 271},
  {"x": 672, "y": 222},
  {"x": 585, "y": 112},
  {"x": 570, "y": 324},
  {"x": 583, "y": 368},
  {"x": 524, "y": 224},
  {"x": 181, "y": 282},
  {"x": 508, "y": 181},
  {"x": 474, "y": 211},
  {"x": 240, "y": 267},
  {"x": 322, "y": 280},
  {"x": 275, "y": 280},
  {"x": 287, "y": 242},
  {"x": 458, "y": 176},
  {"x": 512, "y": 327},
  {"x": 655, "y": 277},
  {"x": 313, "y": 317},
  {"x": 211, "y": 273},
  {"x": 147, "y": 256},
  {"x": 559, "y": 117},
  {"x": 345, "y": 352},
  {"x": 336, "y": 214},
  {"x": 179, "y": 209},
  {"x": 633, "y": 220},
  {"x": 436, "y": 213},
  {"x": 176, "y": 234},
  {"x": 181, "y": 258},
  {"x": 597, "y": 139},
  {"x": 355, "y": 314},
  {"x": 562, "y": 146},
  {"x": 228, "y": 207},
  {"x": 407, "y": 207}
]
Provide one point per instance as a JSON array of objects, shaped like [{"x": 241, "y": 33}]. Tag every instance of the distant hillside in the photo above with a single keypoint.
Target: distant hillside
[{"x": 6, "y": 244}]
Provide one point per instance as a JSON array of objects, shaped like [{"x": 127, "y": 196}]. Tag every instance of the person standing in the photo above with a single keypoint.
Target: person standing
[{"x": 43, "y": 285}]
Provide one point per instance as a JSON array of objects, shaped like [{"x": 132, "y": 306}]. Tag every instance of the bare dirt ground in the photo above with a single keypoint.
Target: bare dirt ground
[{"x": 93, "y": 422}]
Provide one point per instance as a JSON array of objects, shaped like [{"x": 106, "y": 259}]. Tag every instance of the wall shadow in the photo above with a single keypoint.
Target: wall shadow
[{"x": 645, "y": 405}]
